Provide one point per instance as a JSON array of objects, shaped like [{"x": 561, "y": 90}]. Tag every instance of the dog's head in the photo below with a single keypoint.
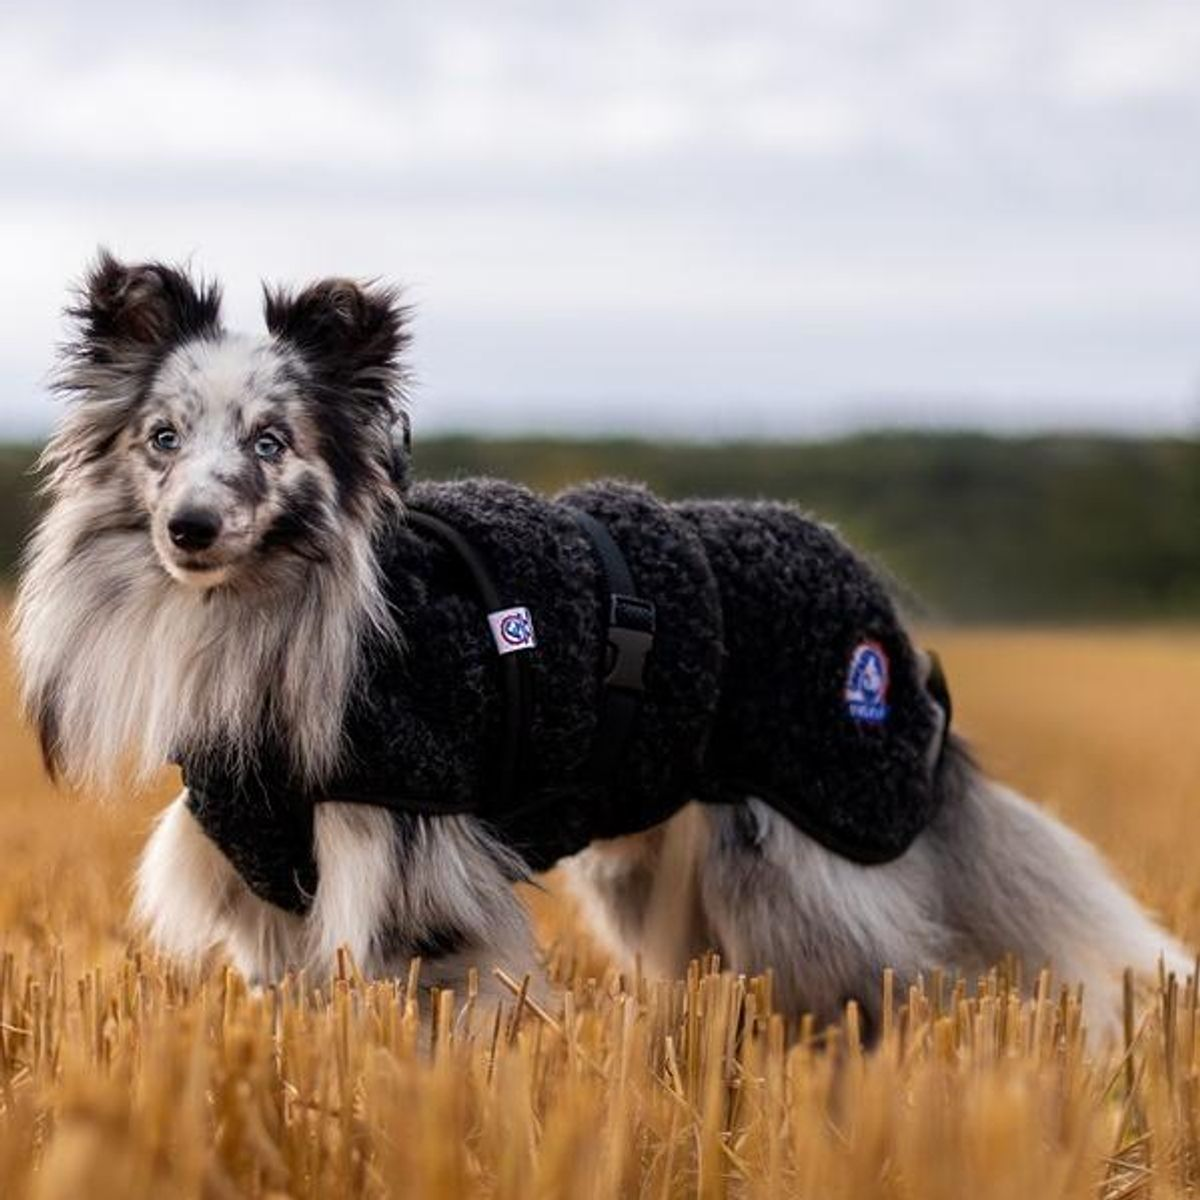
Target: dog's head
[{"x": 237, "y": 455}]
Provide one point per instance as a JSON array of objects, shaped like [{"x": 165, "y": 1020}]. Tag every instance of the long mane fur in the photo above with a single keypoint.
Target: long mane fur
[
  {"x": 119, "y": 660},
  {"x": 124, "y": 668}
]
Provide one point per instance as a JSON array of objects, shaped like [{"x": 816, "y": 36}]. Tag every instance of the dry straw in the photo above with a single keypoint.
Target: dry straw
[
  {"x": 121, "y": 1078},
  {"x": 143, "y": 1083}
]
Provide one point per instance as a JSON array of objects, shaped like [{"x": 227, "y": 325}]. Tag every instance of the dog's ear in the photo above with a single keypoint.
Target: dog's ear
[
  {"x": 351, "y": 335},
  {"x": 132, "y": 314},
  {"x": 125, "y": 320}
]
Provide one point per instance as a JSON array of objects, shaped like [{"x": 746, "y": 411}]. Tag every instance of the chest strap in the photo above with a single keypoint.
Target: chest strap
[
  {"x": 513, "y": 669},
  {"x": 631, "y": 623}
]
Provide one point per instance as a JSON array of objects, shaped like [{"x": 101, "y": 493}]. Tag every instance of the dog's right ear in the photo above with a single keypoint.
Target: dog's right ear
[
  {"x": 125, "y": 320},
  {"x": 129, "y": 316}
]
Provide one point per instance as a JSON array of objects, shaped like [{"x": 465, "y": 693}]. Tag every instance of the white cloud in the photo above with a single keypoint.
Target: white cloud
[
  {"x": 1144, "y": 53},
  {"x": 676, "y": 200}
]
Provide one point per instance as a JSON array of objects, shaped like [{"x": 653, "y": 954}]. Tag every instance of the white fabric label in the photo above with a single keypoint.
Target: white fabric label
[{"x": 512, "y": 630}]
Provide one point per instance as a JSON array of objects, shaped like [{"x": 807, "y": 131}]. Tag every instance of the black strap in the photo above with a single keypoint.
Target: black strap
[
  {"x": 939, "y": 689},
  {"x": 631, "y": 623},
  {"x": 514, "y": 670}
]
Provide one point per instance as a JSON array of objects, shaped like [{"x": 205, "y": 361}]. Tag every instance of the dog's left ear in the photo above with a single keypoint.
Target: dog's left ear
[{"x": 352, "y": 336}]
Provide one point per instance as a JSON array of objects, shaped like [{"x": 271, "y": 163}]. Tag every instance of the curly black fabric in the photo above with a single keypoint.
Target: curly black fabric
[
  {"x": 266, "y": 831},
  {"x": 759, "y": 614},
  {"x": 797, "y": 603}
]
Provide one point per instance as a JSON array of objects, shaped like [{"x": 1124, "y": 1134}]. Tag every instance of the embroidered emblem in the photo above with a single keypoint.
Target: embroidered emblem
[
  {"x": 512, "y": 630},
  {"x": 867, "y": 683}
]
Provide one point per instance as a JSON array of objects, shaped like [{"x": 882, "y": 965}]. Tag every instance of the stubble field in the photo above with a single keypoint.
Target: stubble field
[{"x": 122, "y": 1077}]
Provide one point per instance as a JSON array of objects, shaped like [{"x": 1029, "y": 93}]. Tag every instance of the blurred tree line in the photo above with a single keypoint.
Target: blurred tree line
[{"x": 976, "y": 527}]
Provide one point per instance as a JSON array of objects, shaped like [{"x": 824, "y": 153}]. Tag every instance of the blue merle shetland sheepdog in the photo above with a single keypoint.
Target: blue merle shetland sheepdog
[{"x": 207, "y": 568}]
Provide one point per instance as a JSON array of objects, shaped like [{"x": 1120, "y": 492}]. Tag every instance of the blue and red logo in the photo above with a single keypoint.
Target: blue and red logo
[
  {"x": 867, "y": 683},
  {"x": 512, "y": 629}
]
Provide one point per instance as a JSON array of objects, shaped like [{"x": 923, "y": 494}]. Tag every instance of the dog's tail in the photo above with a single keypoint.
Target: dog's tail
[{"x": 1017, "y": 879}]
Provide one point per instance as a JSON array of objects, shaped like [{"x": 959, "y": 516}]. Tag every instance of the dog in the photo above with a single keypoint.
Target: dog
[{"x": 211, "y": 575}]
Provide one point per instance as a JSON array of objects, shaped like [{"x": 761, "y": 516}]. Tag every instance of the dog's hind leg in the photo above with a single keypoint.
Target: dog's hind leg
[
  {"x": 992, "y": 875},
  {"x": 1016, "y": 880},
  {"x": 826, "y": 927}
]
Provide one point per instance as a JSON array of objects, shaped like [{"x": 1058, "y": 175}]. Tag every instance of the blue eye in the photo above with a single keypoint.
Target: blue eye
[
  {"x": 166, "y": 439},
  {"x": 267, "y": 446}
]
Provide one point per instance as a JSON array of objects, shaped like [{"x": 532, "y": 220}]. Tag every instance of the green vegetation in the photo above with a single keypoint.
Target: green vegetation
[
  {"x": 17, "y": 489},
  {"x": 977, "y": 527}
]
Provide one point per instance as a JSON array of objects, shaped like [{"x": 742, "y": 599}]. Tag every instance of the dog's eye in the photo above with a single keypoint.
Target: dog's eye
[
  {"x": 268, "y": 446},
  {"x": 165, "y": 438}
]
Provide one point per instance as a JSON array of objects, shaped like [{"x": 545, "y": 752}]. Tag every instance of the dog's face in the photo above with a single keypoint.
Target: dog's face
[
  {"x": 225, "y": 456},
  {"x": 236, "y": 455}
]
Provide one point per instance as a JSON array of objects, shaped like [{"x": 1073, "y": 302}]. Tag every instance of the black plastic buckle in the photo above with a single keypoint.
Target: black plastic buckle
[{"x": 630, "y": 640}]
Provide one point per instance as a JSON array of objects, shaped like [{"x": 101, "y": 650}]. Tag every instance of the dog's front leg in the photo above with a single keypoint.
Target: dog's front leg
[
  {"x": 190, "y": 899},
  {"x": 390, "y": 888},
  {"x": 394, "y": 887},
  {"x": 640, "y": 893}
]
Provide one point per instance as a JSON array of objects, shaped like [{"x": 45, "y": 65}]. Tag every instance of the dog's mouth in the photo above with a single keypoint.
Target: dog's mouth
[
  {"x": 197, "y": 568},
  {"x": 201, "y": 571},
  {"x": 196, "y": 565}
]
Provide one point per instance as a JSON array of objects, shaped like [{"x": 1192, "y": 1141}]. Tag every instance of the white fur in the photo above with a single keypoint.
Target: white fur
[
  {"x": 130, "y": 646},
  {"x": 992, "y": 875},
  {"x": 453, "y": 875},
  {"x": 186, "y": 889},
  {"x": 356, "y": 855},
  {"x": 134, "y": 662},
  {"x": 191, "y": 900}
]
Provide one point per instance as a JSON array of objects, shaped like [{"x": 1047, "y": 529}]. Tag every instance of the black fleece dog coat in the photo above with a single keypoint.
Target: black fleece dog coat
[{"x": 776, "y": 668}]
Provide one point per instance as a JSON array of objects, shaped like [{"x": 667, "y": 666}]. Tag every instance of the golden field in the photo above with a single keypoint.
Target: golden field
[{"x": 120, "y": 1077}]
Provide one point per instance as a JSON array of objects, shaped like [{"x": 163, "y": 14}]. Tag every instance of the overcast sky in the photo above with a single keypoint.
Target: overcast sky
[{"x": 705, "y": 219}]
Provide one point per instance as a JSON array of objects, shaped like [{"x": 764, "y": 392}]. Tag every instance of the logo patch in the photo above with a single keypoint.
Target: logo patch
[
  {"x": 512, "y": 630},
  {"x": 867, "y": 683}
]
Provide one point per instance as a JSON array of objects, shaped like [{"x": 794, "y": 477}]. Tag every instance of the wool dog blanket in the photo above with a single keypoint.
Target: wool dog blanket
[{"x": 760, "y": 657}]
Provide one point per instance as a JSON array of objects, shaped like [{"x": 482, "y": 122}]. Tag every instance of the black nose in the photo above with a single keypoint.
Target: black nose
[{"x": 194, "y": 529}]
